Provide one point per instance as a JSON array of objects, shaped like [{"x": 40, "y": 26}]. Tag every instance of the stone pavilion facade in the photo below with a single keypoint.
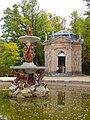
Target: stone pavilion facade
[{"x": 63, "y": 53}]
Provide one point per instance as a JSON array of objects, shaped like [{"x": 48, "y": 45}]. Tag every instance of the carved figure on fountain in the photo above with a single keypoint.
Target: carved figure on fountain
[
  {"x": 29, "y": 31},
  {"x": 21, "y": 78},
  {"x": 25, "y": 53},
  {"x": 28, "y": 53},
  {"x": 31, "y": 54}
]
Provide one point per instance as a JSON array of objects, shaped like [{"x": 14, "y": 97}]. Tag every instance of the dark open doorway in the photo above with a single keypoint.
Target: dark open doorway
[{"x": 61, "y": 62}]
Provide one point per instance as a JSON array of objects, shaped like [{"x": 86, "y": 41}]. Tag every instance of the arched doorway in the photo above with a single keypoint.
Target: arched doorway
[{"x": 61, "y": 62}]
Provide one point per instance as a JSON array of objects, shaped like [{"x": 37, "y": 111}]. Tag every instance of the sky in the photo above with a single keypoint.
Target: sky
[{"x": 62, "y": 8}]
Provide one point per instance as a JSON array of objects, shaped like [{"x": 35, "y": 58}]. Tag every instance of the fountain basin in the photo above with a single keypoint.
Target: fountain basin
[
  {"x": 29, "y": 67},
  {"x": 29, "y": 39}
]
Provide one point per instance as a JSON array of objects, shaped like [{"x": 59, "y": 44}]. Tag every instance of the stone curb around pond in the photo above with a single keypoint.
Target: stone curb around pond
[{"x": 5, "y": 82}]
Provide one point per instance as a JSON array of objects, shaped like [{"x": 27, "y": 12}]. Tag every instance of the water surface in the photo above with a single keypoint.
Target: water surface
[{"x": 62, "y": 104}]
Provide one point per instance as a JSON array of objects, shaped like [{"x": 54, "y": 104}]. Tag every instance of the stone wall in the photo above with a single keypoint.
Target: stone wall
[{"x": 76, "y": 58}]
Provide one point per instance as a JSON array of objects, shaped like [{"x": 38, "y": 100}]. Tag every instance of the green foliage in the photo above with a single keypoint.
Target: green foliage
[
  {"x": 87, "y": 12},
  {"x": 39, "y": 58},
  {"x": 86, "y": 46},
  {"x": 12, "y": 28},
  {"x": 81, "y": 26},
  {"x": 9, "y": 55},
  {"x": 77, "y": 23},
  {"x": 41, "y": 25},
  {"x": 86, "y": 37},
  {"x": 57, "y": 23}
]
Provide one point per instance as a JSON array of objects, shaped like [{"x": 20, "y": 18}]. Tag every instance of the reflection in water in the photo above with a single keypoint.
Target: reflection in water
[
  {"x": 61, "y": 104},
  {"x": 61, "y": 99}
]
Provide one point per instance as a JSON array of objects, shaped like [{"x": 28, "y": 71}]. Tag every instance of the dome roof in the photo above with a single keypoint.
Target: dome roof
[
  {"x": 66, "y": 33},
  {"x": 62, "y": 32}
]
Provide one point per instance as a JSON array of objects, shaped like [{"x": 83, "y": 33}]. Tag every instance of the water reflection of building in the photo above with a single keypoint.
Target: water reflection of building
[
  {"x": 63, "y": 50},
  {"x": 67, "y": 100}
]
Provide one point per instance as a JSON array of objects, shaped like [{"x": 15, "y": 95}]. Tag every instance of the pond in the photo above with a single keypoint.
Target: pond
[{"x": 64, "y": 103}]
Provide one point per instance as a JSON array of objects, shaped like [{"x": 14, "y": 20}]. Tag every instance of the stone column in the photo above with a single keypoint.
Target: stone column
[
  {"x": 68, "y": 60},
  {"x": 52, "y": 60},
  {"x": 80, "y": 59}
]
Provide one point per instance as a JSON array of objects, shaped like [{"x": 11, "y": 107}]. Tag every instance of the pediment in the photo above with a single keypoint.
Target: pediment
[
  {"x": 61, "y": 38},
  {"x": 57, "y": 39}
]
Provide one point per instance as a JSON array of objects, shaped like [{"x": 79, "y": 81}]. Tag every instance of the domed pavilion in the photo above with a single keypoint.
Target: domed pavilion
[{"x": 63, "y": 53}]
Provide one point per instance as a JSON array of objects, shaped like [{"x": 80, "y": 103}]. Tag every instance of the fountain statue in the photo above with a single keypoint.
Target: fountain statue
[{"x": 28, "y": 81}]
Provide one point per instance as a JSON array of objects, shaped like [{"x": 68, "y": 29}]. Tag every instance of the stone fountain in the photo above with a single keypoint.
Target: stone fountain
[{"x": 28, "y": 81}]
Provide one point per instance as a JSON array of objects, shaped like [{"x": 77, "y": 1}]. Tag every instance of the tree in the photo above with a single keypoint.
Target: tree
[
  {"x": 57, "y": 23},
  {"x": 39, "y": 57},
  {"x": 1, "y": 71},
  {"x": 88, "y": 8},
  {"x": 81, "y": 26},
  {"x": 15, "y": 21},
  {"x": 76, "y": 23},
  {"x": 29, "y": 10},
  {"x": 12, "y": 28},
  {"x": 86, "y": 46},
  {"x": 10, "y": 56}
]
